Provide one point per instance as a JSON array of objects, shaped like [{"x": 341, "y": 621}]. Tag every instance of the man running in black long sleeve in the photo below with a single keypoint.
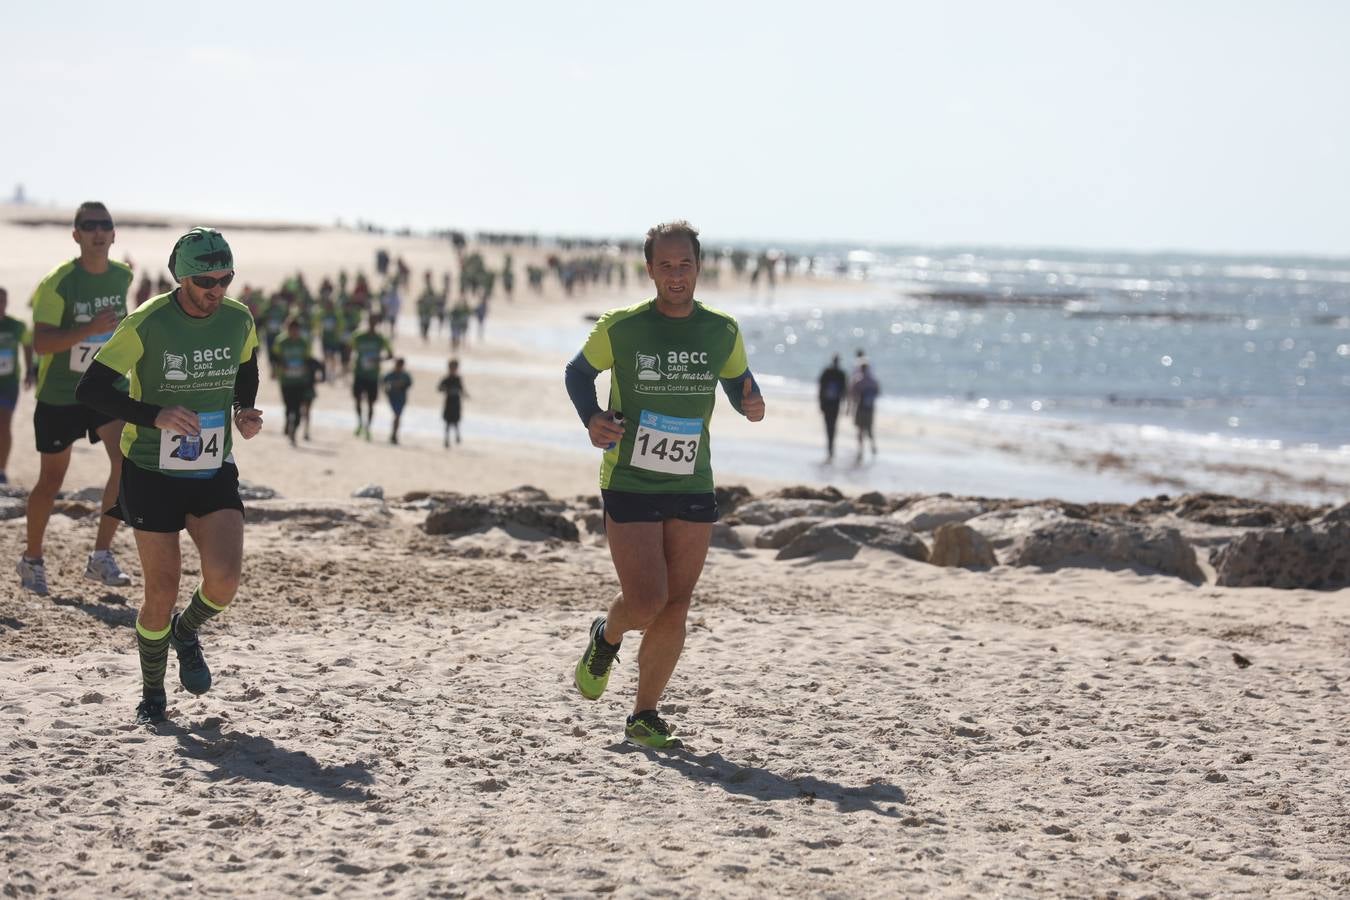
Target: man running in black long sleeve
[{"x": 192, "y": 354}]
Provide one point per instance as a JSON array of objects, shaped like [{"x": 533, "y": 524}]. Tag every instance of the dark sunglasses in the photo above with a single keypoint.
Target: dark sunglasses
[
  {"x": 207, "y": 282},
  {"x": 96, "y": 224}
]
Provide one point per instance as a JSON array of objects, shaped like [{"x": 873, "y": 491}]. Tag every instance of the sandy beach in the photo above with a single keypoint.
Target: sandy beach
[{"x": 394, "y": 716}]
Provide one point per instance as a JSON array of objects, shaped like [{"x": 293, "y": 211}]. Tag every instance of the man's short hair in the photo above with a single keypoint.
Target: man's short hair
[
  {"x": 669, "y": 229},
  {"x": 90, "y": 206}
]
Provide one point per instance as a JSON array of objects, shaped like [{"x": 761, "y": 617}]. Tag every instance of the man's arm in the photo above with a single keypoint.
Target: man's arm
[
  {"x": 246, "y": 384},
  {"x": 98, "y": 390},
  {"x": 741, "y": 389},
  {"x": 580, "y": 378},
  {"x": 29, "y": 370}
]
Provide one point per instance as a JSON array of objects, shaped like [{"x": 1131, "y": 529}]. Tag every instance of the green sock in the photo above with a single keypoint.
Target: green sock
[
  {"x": 198, "y": 611},
  {"x": 154, "y": 650}
]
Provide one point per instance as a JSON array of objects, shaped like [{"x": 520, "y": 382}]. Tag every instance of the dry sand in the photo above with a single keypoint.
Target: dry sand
[{"x": 393, "y": 713}]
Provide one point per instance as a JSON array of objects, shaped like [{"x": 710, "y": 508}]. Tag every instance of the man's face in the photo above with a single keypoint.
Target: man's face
[
  {"x": 674, "y": 269},
  {"x": 91, "y": 234},
  {"x": 201, "y": 301}
]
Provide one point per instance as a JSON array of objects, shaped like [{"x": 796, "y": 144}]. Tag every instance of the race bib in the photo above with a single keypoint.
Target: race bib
[
  {"x": 194, "y": 455},
  {"x": 82, "y": 354},
  {"x": 368, "y": 362},
  {"x": 7, "y": 361},
  {"x": 666, "y": 443}
]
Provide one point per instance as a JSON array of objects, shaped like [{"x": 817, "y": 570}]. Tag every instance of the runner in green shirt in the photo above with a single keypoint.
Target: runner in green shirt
[
  {"x": 291, "y": 352},
  {"x": 370, "y": 349},
  {"x": 14, "y": 342},
  {"x": 426, "y": 307},
  {"x": 331, "y": 333},
  {"x": 666, "y": 358},
  {"x": 192, "y": 357},
  {"x": 75, "y": 309}
]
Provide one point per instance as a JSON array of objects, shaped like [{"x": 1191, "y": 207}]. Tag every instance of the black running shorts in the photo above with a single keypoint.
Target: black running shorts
[
  {"x": 57, "y": 428},
  {"x": 629, "y": 506},
  {"x": 153, "y": 501},
  {"x": 362, "y": 387}
]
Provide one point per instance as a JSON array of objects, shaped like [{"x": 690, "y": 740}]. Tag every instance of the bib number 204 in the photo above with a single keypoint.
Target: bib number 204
[
  {"x": 190, "y": 447},
  {"x": 197, "y": 455}
]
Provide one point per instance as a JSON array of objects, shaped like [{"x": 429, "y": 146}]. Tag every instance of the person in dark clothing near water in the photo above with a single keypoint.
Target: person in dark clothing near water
[
  {"x": 863, "y": 403},
  {"x": 833, "y": 386}
]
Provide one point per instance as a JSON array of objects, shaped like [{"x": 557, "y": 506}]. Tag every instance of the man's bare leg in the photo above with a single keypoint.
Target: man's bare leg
[
  {"x": 111, "y": 435},
  {"x": 51, "y": 474},
  {"x": 161, "y": 566},
  {"x": 219, "y": 537},
  {"x": 6, "y": 437},
  {"x": 658, "y": 566},
  {"x": 686, "y": 548}
]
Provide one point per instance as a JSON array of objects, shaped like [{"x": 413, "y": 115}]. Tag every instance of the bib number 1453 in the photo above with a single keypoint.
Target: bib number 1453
[{"x": 666, "y": 443}]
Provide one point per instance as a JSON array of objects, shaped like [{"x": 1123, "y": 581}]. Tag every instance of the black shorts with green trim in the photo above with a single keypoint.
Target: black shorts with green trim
[
  {"x": 57, "y": 428},
  {"x": 630, "y": 506},
  {"x": 153, "y": 501}
]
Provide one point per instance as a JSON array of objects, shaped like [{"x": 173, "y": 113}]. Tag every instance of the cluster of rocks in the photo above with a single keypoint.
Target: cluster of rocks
[
  {"x": 1247, "y": 542},
  {"x": 525, "y": 512}
]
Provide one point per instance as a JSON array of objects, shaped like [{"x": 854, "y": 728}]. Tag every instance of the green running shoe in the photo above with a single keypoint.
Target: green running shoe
[
  {"x": 592, "y": 671},
  {"x": 646, "y": 729},
  {"x": 193, "y": 672}
]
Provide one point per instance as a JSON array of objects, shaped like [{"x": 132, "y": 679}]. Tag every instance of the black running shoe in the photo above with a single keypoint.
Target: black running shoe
[
  {"x": 193, "y": 672},
  {"x": 150, "y": 711}
]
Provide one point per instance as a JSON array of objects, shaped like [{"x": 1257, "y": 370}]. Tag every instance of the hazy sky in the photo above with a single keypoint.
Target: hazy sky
[{"x": 1197, "y": 125}]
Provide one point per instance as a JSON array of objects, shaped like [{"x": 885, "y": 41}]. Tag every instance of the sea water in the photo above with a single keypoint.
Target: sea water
[
  {"x": 1248, "y": 349},
  {"x": 1204, "y": 373}
]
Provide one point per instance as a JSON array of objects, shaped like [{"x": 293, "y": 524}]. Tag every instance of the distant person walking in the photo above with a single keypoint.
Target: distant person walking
[
  {"x": 453, "y": 389},
  {"x": 833, "y": 387},
  {"x": 396, "y": 385},
  {"x": 863, "y": 402}
]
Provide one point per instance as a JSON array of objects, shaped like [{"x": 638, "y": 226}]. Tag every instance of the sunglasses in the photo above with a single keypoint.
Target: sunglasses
[
  {"x": 96, "y": 224},
  {"x": 207, "y": 282}
]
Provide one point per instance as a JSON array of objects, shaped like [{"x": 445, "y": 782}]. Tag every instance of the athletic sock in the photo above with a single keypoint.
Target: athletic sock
[
  {"x": 154, "y": 650},
  {"x": 199, "y": 610}
]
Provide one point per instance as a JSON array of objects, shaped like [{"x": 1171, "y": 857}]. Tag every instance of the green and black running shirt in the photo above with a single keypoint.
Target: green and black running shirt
[
  {"x": 177, "y": 360},
  {"x": 67, "y": 297},
  {"x": 13, "y": 337},
  {"x": 371, "y": 349},
  {"x": 292, "y": 355},
  {"x": 664, "y": 377}
]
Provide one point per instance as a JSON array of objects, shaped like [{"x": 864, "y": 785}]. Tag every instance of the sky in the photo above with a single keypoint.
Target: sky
[{"x": 1201, "y": 126}]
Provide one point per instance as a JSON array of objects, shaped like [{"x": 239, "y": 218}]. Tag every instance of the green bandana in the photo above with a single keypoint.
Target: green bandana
[{"x": 199, "y": 251}]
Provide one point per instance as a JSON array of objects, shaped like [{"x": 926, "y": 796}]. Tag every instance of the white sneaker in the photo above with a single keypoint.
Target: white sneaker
[
  {"x": 32, "y": 575},
  {"x": 102, "y": 567}
]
